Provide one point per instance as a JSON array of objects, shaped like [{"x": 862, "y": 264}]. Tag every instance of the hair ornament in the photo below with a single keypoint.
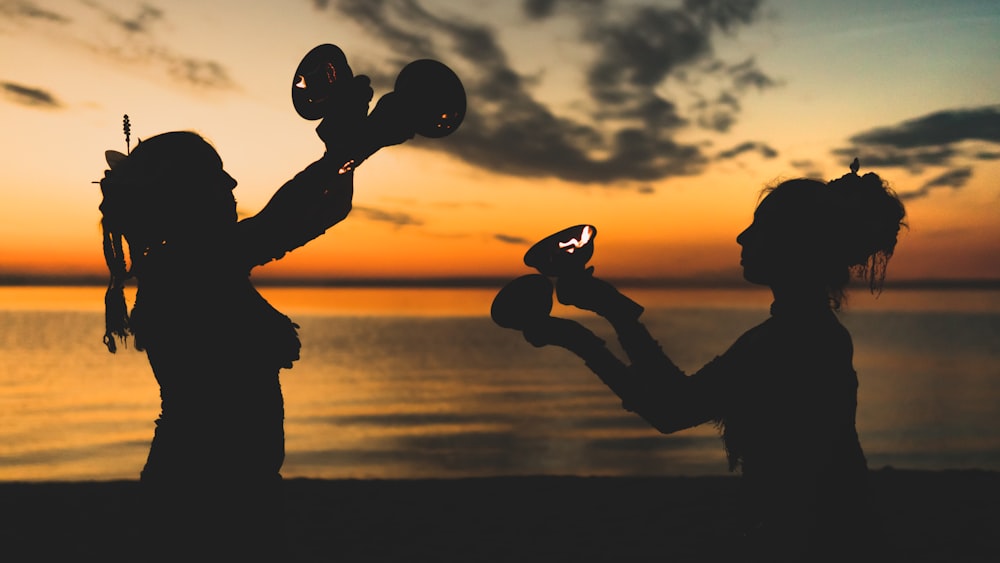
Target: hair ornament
[
  {"x": 853, "y": 174},
  {"x": 117, "y": 324},
  {"x": 114, "y": 158},
  {"x": 127, "y": 128}
]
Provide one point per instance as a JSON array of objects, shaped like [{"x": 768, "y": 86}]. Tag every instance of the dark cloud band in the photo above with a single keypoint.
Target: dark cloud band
[
  {"x": 28, "y": 96},
  {"x": 397, "y": 219},
  {"x": 627, "y": 130},
  {"x": 939, "y": 139},
  {"x": 937, "y": 129}
]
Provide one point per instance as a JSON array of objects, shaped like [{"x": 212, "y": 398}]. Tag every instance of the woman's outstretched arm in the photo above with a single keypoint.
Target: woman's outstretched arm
[
  {"x": 657, "y": 390},
  {"x": 302, "y": 209},
  {"x": 320, "y": 196}
]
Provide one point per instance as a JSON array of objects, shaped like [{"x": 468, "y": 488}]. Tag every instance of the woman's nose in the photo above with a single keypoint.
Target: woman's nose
[
  {"x": 229, "y": 181},
  {"x": 742, "y": 237}
]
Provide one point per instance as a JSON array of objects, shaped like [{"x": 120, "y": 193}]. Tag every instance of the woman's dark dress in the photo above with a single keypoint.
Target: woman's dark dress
[
  {"x": 785, "y": 397},
  {"x": 212, "y": 477}
]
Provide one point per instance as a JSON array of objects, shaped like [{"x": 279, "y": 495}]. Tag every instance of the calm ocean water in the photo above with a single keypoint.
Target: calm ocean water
[{"x": 397, "y": 383}]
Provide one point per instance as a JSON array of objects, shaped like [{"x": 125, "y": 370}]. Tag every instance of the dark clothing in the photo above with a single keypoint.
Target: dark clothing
[
  {"x": 216, "y": 346},
  {"x": 784, "y": 396}
]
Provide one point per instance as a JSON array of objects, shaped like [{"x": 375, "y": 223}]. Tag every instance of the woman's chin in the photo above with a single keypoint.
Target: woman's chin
[{"x": 754, "y": 277}]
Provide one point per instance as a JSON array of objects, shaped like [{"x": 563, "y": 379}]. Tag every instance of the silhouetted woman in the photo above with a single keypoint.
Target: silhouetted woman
[
  {"x": 785, "y": 393},
  {"x": 214, "y": 343}
]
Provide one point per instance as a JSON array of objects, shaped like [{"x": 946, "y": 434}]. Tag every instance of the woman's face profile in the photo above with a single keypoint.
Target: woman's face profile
[
  {"x": 205, "y": 188},
  {"x": 773, "y": 243},
  {"x": 754, "y": 255},
  {"x": 218, "y": 192},
  {"x": 185, "y": 187}
]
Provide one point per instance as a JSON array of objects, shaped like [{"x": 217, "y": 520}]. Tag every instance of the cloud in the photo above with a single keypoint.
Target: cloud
[
  {"x": 808, "y": 167},
  {"x": 202, "y": 73},
  {"x": 931, "y": 140},
  {"x": 28, "y": 96},
  {"x": 749, "y": 146},
  {"x": 396, "y": 219},
  {"x": 542, "y": 9},
  {"x": 137, "y": 42},
  {"x": 950, "y": 138},
  {"x": 914, "y": 160},
  {"x": 953, "y": 179},
  {"x": 936, "y": 129},
  {"x": 141, "y": 22},
  {"x": 987, "y": 155},
  {"x": 627, "y": 127},
  {"x": 511, "y": 239},
  {"x": 746, "y": 75},
  {"x": 538, "y": 9},
  {"x": 126, "y": 38},
  {"x": 26, "y": 10}
]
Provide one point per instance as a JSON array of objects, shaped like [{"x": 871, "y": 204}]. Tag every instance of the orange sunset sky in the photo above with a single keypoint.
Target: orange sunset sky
[{"x": 657, "y": 121}]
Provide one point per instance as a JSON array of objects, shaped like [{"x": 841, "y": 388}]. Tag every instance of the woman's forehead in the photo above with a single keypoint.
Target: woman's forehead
[
  {"x": 767, "y": 205},
  {"x": 783, "y": 207},
  {"x": 205, "y": 154}
]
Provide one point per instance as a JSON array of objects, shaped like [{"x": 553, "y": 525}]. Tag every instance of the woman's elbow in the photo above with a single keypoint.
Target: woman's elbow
[
  {"x": 330, "y": 215},
  {"x": 666, "y": 420},
  {"x": 665, "y": 425}
]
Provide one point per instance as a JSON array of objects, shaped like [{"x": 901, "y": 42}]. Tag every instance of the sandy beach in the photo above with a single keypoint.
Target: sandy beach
[{"x": 948, "y": 516}]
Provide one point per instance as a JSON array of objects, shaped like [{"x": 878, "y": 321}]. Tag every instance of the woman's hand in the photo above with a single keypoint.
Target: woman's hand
[
  {"x": 344, "y": 127},
  {"x": 391, "y": 122},
  {"x": 585, "y": 291}
]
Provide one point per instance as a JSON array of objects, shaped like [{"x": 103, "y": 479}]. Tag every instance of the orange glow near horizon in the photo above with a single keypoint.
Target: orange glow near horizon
[
  {"x": 420, "y": 213},
  {"x": 673, "y": 236}
]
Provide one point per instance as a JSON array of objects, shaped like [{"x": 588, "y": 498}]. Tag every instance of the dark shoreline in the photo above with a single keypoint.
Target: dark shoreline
[
  {"x": 928, "y": 516},
  {"x": 734, "y": 281}
]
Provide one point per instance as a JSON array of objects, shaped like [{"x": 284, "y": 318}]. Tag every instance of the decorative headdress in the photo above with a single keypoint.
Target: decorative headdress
[{"x": 116, "y": 318}]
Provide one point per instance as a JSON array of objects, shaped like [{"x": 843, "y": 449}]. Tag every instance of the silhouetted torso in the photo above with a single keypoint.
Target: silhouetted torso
[
  {"x": 786, "y": 400},
  {"x": 785, "y": 393},
  {"x": 216, "y": 348},
  {"x": 785, "y": 397}
]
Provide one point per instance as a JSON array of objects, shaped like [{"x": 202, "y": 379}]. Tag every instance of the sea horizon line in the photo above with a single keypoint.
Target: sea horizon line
[{"x": 473, "y": 282}]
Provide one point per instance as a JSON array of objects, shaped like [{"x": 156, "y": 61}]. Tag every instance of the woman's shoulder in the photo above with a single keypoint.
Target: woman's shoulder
[{"x": 814, "y": 335}]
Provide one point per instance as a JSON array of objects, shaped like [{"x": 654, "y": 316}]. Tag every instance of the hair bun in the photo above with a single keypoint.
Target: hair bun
[{"x": 871, "y": 215}]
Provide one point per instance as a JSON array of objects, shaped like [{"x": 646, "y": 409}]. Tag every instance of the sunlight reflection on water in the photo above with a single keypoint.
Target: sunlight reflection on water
[{"x": 420, "y": 383}]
